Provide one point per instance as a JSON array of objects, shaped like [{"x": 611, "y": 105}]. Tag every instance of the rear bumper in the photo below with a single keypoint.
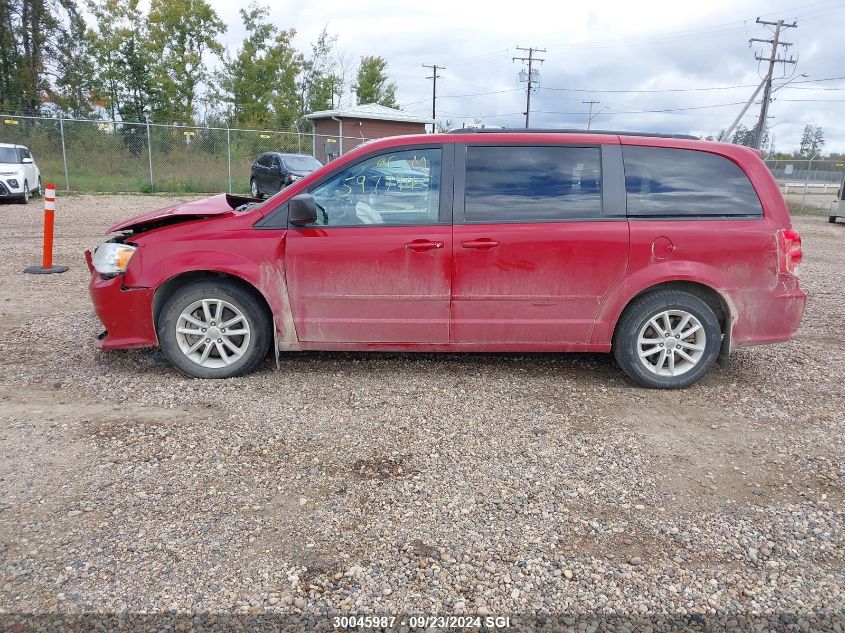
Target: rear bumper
[
  {"x": 769, "y": 319},
  {"x": 126, "y": 313}
]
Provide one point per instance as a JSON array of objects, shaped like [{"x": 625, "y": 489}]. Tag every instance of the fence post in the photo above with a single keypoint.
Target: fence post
[
  {"x": 64, "y": 153},
  {"x": 229, "y": 154},
  {"x": 150, "y": 152},
  {"x": 807, "y": 182}
]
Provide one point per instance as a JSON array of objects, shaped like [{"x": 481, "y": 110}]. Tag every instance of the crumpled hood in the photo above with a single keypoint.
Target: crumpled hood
[{"x": 221, "y": 204}]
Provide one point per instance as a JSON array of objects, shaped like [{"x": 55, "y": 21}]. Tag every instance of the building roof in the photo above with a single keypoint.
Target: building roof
[{"x": 369, "y": 111}]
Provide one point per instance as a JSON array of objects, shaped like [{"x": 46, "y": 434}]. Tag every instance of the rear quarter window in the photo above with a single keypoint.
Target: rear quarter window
[{"x": 668, "y": 182}]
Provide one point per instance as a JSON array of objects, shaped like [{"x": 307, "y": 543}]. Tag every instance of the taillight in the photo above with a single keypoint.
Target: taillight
[{"x": 790, "y": 253}]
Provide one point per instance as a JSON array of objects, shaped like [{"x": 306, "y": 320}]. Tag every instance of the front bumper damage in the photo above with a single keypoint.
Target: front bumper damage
[{"x": 126, "y": 313}]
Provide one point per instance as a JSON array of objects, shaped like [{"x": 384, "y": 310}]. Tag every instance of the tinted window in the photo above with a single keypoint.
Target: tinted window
[
  {"x": 680, "y": 182},
  {"x": 395, "y": 188},
  {"x": 265, "y": 159},
  {"x": 276, "y": 163},
  {"x": 530, "y": 184}
]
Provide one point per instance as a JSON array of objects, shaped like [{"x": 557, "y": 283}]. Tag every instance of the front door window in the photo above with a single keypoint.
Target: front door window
[{"x": 399, "y": 188}]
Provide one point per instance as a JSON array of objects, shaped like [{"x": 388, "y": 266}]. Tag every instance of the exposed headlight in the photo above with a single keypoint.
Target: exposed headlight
[{"x": 112, "y": 258}]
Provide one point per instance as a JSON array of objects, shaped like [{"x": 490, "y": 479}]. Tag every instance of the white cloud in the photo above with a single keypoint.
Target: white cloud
[{"x": 603, "y": 45}]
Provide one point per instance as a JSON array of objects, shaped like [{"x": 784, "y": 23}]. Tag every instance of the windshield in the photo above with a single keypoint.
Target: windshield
[
  {"x": 8, "y": 155},
  {"x": 302, "y": 163}
]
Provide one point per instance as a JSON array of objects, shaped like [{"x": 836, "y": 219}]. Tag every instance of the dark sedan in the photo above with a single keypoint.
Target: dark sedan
[{"x": 273, "y": 171}]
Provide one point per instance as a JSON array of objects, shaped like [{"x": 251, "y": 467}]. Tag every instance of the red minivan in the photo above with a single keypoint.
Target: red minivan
[{"x": 666, "y": 250}]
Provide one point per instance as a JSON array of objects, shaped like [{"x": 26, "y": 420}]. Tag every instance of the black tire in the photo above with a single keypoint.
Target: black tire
[
  {"x": 831, "y": 219},
  {"x": 254, "y": 189},
  {"x": 40, "y": 190},
  {"x": 24, "y": 199},
  {"x": 639, "y": 313},
  {"x": 260, "y": 326}
]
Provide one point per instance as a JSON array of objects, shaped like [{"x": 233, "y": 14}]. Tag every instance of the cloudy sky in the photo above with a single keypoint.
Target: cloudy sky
[{"x": 654, "y": 65}]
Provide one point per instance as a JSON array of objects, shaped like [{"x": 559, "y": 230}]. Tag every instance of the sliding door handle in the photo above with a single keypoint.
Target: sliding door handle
[{"x": 480, "y": 244}]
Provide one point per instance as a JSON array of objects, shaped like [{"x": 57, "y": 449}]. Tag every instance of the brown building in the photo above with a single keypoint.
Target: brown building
[{"x": 338, "y": 131}]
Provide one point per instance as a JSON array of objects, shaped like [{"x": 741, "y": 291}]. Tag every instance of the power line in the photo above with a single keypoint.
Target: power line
[
  {"x": 530, "y": 77},
  {"x": 708, "y": 89},
  {"x": 473, "y": 94},
  {"x": 591, "y": 102},
  {"x": 772, "y": 59},
  {"x": 434, "y": 77}
]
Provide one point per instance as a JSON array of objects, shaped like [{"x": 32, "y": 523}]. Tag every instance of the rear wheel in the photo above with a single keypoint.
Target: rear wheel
[
  {"x": 667, "y": 339},
  {"x": 214, "y": 329}
]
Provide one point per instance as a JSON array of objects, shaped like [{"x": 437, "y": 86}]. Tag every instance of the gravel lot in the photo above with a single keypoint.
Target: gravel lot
[{"x": 391, "y": 483}]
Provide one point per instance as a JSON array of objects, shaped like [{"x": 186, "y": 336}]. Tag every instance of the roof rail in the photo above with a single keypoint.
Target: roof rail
[{"x": 568, "y": 131}]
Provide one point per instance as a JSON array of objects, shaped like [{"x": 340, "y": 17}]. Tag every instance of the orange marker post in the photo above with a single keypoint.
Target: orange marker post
[{"x": 47, "y": 266}]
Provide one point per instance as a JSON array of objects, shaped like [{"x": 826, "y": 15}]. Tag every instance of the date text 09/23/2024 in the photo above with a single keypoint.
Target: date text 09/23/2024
[{"x": 421, "y": 621}]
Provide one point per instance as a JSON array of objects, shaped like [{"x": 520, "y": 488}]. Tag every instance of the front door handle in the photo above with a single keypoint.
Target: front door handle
[
  {"x": 483, "y": 243},
  {"x": 423, "y": 245}
]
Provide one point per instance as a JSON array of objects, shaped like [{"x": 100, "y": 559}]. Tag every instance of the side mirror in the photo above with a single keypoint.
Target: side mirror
[
  {"x": 302, "y": 210},
  {"x": 27, "y": 161}
]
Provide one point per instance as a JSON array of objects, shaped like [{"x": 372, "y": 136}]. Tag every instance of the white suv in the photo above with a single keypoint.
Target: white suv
[{"x": 19, "y": 175}]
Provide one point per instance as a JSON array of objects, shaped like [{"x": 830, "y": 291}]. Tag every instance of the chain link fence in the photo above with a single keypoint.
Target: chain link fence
[
  {"x": 819, "y": 175},
  {"x": 117, "y": 156},
  {"x": 114, "y": 156}
]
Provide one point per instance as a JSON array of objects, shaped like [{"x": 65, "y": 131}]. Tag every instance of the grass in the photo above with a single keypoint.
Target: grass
[
  {"x": 132, "y": 176},
  {"x": 808, "y": 210}
]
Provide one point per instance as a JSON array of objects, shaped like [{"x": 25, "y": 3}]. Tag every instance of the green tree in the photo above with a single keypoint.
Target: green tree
[
  {"x": 119, "y": 45},
  {"x": 373, "y": 85},
  {"x": 75, "y": 77},
  {"x": 812, "y": 141},
  {"x": 260, "y": 83},
  {"x": 29, "y": 35},
  {"x": 818, "y": 140},
  {"x": 181, "y": 32},
  {"x": 742, "y": 136},
  {"x": 10, "y": 57},
  {"x": 319, "y": 81}
]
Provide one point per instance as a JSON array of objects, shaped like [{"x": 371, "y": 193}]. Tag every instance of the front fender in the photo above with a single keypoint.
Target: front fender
[{"x": 255, "y": 260}]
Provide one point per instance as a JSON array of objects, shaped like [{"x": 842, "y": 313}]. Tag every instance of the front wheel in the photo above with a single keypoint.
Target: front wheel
[
  {"x": 667, "y": 339},
  {"x": 253, "y": 188},
  {"x": 831, "y": 219},
  {"x": 213, "y": 329},
  {"x": 24, "y": 199}
]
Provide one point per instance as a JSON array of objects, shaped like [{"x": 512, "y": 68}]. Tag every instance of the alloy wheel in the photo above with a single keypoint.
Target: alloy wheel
[
  {"x": 213, "y": 333},
  {"x": 671, "y": 343}
]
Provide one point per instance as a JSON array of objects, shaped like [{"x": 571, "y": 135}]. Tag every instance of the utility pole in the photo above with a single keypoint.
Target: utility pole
[
  {"x": 530, "y": 78},
  {"x": 434, "y": 77},
  {"x": 760, "y": 129},
  {"x": 590, "y": 115}
]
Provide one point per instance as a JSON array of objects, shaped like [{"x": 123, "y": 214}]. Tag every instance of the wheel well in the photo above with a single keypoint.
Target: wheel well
[
  {"x": 707, "y": 294},
  {"x": 173, "y": 284}
]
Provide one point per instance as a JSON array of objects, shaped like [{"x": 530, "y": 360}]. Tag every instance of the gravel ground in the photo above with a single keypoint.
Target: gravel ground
[{"x": 397, "y": 483}]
